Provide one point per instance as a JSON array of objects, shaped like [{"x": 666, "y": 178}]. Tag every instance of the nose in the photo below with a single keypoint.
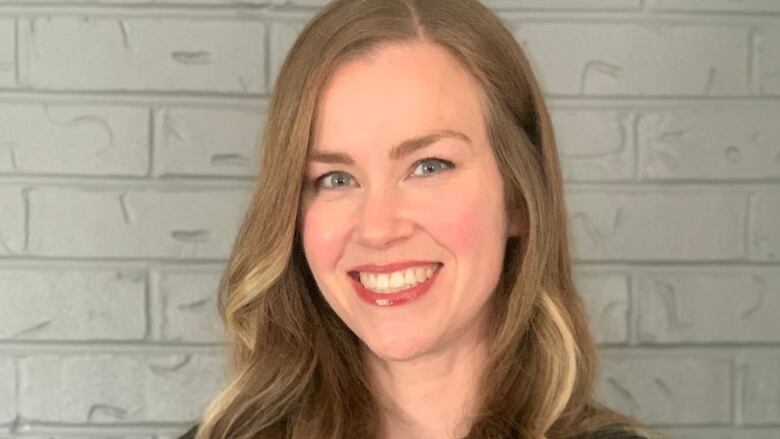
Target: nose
[{"x": 382, "y": 219}]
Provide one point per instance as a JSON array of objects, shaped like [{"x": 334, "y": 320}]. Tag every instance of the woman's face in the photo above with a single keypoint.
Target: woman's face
[{"x": 431, "y": 202}]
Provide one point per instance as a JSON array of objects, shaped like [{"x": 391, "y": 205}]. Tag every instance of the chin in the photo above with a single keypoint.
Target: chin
[{"x": 398, "y": 349}]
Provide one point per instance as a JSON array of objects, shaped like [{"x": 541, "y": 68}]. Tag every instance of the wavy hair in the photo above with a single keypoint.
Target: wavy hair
[{"x": 296, "y": 369}]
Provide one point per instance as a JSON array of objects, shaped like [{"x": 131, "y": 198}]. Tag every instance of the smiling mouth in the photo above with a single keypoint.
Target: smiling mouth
[{"x": 395, "y": 281}]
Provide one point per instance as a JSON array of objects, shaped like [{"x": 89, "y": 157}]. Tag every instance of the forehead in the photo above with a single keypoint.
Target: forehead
[{"x": 397, "y": 92}]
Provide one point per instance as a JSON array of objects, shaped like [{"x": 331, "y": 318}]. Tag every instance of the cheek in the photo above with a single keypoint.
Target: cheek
[
  {"x": 469, "y": 218},
  {"x": 322, "y": 231}
]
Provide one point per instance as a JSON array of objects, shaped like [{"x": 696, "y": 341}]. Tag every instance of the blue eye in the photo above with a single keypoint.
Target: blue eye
[
  {"x": 433, "y": 160},
  {"x": 344, "y": 177},
  {"x": 332, "y": 180}
]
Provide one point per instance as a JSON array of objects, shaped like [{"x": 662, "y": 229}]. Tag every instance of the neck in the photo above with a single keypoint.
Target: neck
[{"x": 431, "y": 396}]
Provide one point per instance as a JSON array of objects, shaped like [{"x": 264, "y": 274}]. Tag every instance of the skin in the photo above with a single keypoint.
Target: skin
[{"x": 423, "y": 356}]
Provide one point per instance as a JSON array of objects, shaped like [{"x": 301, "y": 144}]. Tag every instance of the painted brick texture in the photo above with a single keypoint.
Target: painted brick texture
[{"x": 128, "y": 143}]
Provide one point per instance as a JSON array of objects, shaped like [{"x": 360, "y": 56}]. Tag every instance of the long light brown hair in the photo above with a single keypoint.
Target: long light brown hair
[{"x": 296, "y": 369}]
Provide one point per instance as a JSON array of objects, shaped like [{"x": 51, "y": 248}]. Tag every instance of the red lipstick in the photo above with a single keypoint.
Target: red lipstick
[{"x": 392, "y": 299}]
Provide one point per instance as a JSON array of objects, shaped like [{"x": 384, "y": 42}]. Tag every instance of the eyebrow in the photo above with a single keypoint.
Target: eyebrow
[{"x": 401, "y": 150}]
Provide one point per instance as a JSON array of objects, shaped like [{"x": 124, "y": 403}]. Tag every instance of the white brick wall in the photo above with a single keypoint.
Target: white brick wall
[
  {"x": 85, "y": 52},
  {"x": 127, "y": 147}
]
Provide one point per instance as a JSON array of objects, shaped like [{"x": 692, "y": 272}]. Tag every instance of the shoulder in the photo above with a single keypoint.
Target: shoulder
[{"x": 190, "y": 434}]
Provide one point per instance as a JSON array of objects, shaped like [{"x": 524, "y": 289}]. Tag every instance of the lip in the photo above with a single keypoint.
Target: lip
[
  {"x": 394, "y": 299},
  {"x": 395, "y": 266}
]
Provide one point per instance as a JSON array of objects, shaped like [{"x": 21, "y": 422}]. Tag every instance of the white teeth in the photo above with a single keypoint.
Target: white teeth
[
  {"x": 382, "y": 281},
  {"x": 364, "y": 280},
  {"x": 396, "y": 281},
  {"x": 420, "y": 275},
  {"x": 409, "y": 277}
]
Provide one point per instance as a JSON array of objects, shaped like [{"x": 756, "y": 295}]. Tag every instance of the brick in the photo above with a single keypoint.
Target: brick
[
  {"x": 65, "y": 435},
  {"x": 100, "y": 222},
  {"x": 236, "y": 3},
  {"x": 706, "y": 305},
  {"x": 202, "y": 141},
  {"x": 95, "y": 388},
  {"x": 734, "y": 141},
  {"x": 141, "y": 54},
  {"x": 594, "y": 144},
  {"x": 185, "y": 307},
  {"x": 74, "y": 139},
  {"x": 650, "y": 224},
  {"x": 7, "y": 390},
  {"x": 176, "y": 434},
  {"x": 606, "y": 302},
  {"x": 759, "y": 376},
  {"x": 722, "y": 433},
  {"x": 766, "y": 43},
  {"x": 48, "y": 304},
  {"x": 180, "y": 386},
  {"x": 106, "y": 388},
  {"x": 665, "y": 388},
  {"x": 282, "y": 36},
  {"x": 764, "y": 225},
  {"x": 306, "y": 3},
  {"x": 13, "y": 230},
  {"x": 636, "y": 59},
  {"x": 7, "y": 53},
  {"x": 715, "y": 5}
]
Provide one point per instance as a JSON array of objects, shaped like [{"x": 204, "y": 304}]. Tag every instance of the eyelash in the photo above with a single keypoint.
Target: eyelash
[{"x": 449, "y": 165}]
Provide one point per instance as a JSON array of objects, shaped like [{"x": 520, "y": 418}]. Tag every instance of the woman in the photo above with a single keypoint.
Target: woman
[{"x": 403, "y": 270}]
